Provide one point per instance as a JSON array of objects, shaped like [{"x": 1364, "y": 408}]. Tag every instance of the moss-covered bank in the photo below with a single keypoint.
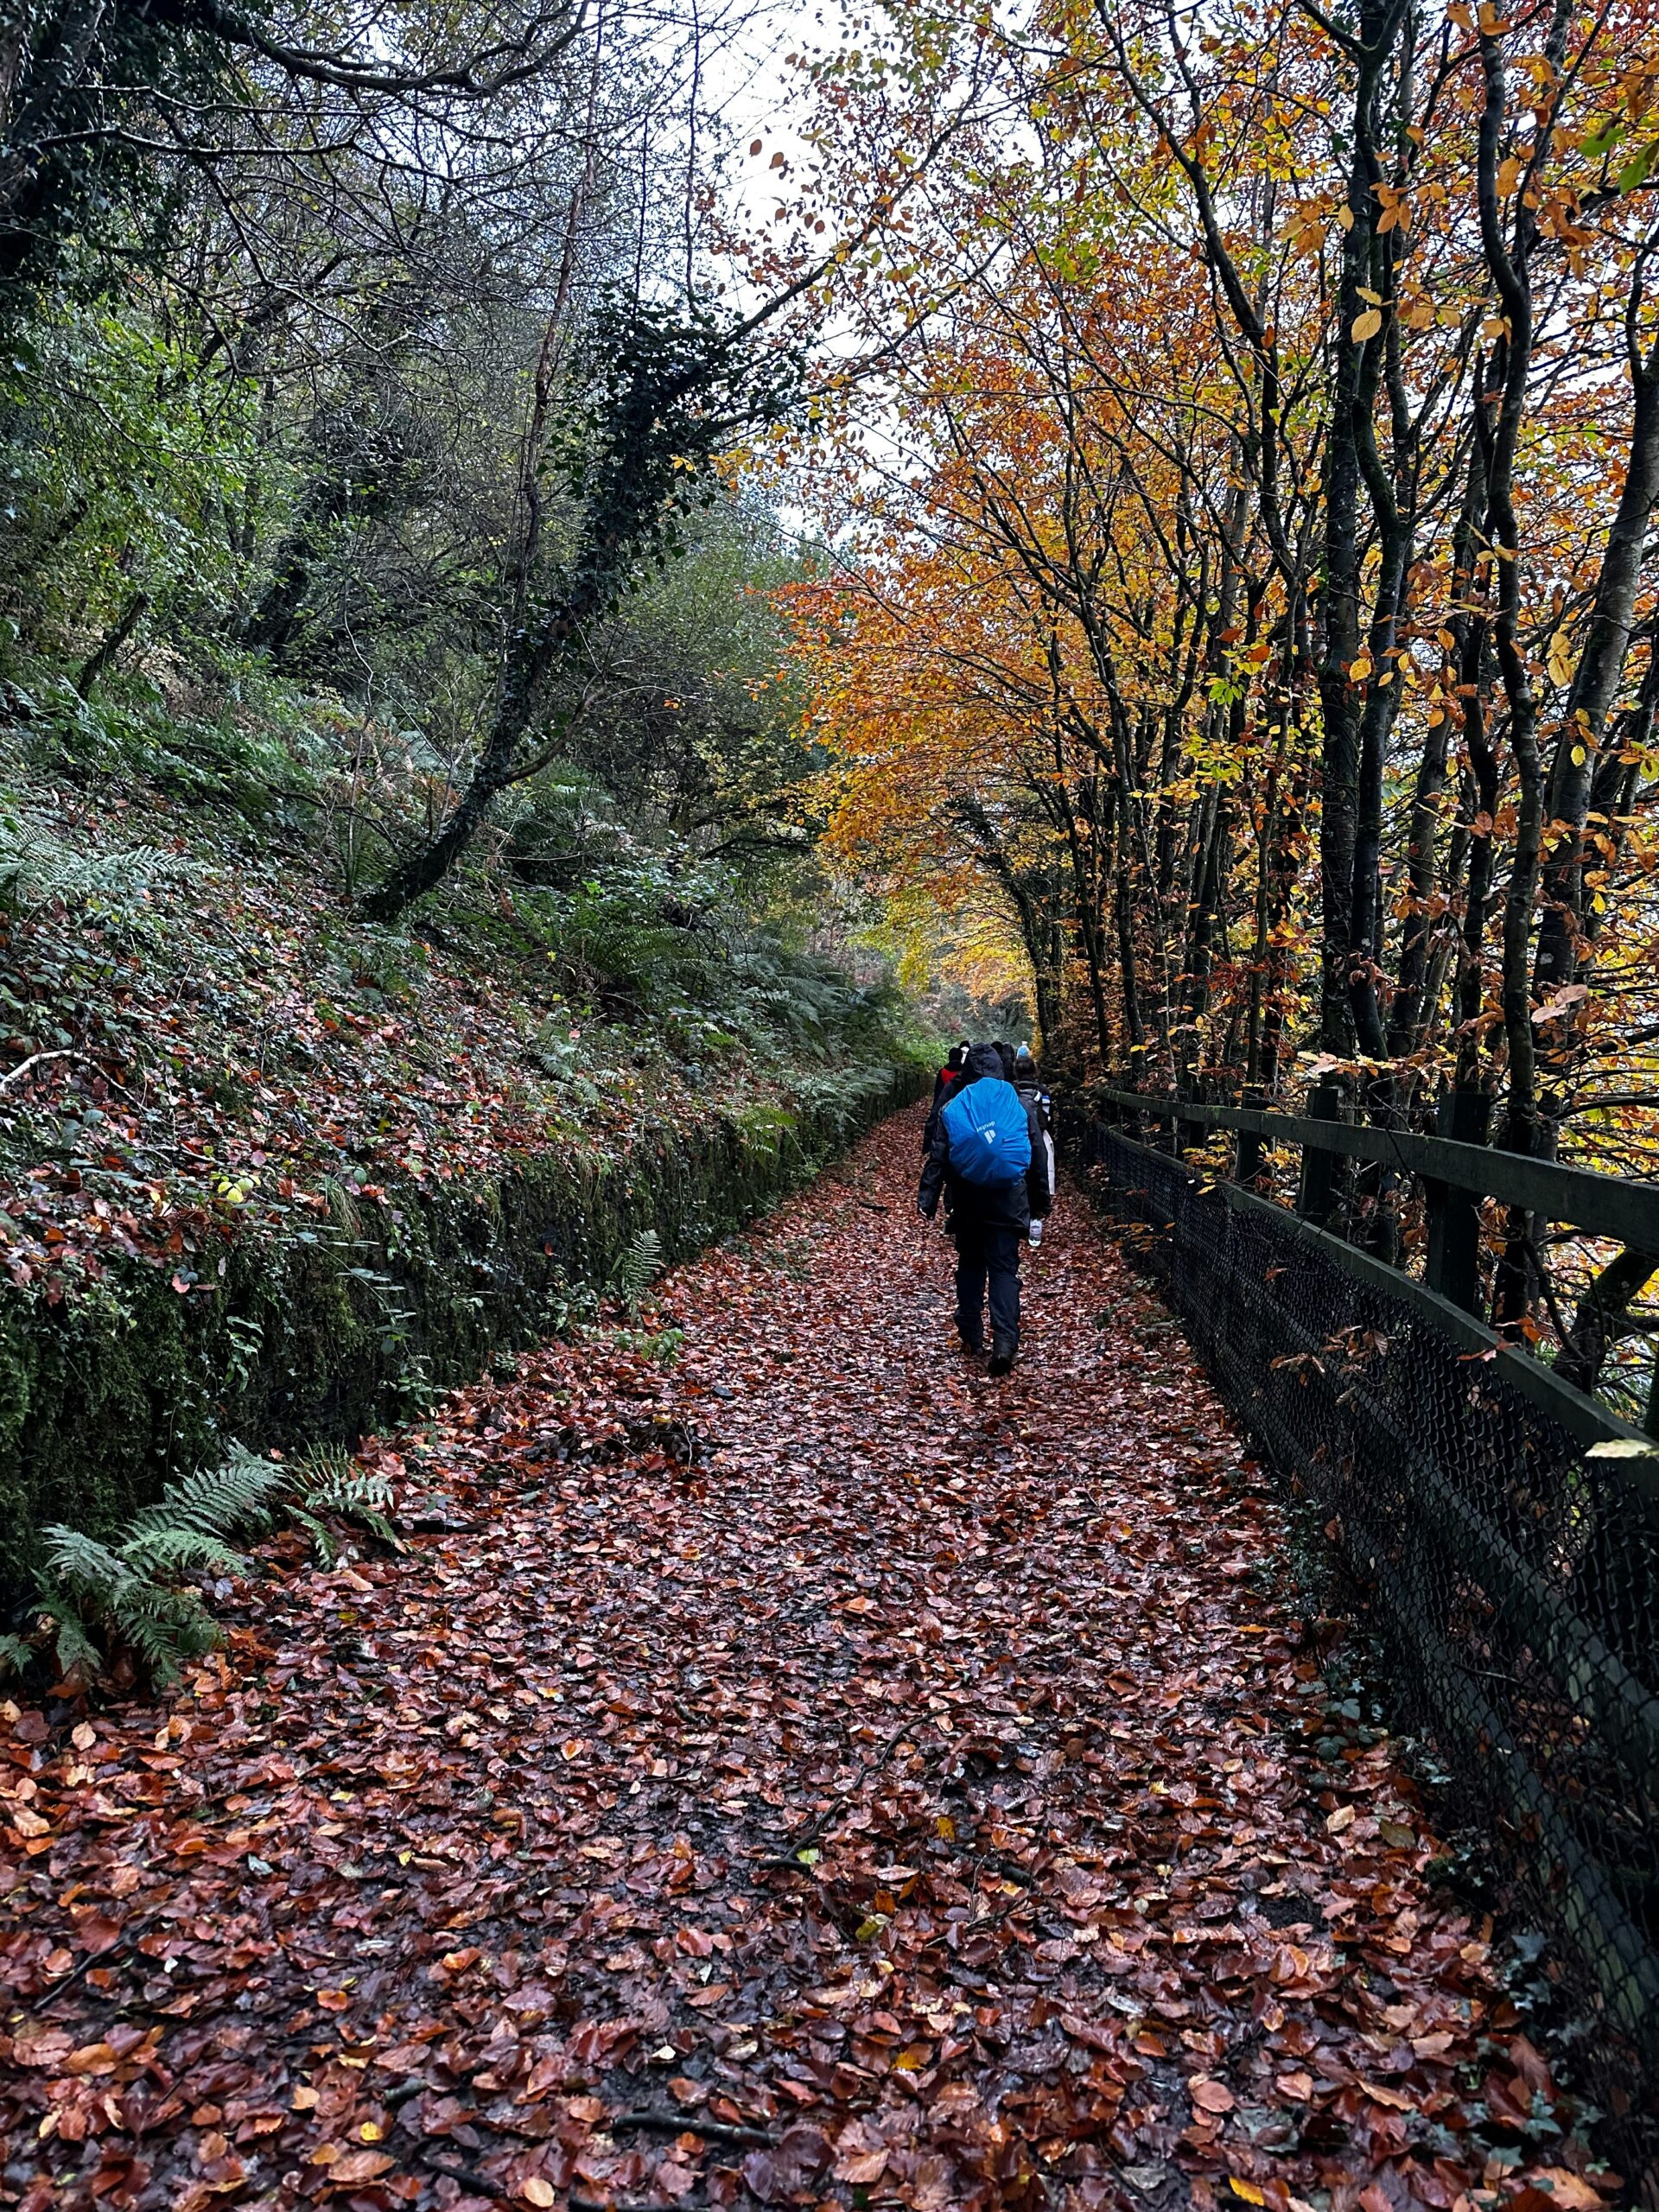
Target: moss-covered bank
[{"x": 332, "y": 1330}]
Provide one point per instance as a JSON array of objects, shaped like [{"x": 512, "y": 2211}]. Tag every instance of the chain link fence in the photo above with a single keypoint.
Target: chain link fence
[{"x": 1510, "y": 1569}]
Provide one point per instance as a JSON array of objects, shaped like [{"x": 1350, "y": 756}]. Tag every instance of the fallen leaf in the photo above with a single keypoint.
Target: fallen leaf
[
  {"x": 1570, "y": 2190},
  {"x": 353, "y": 2167}
]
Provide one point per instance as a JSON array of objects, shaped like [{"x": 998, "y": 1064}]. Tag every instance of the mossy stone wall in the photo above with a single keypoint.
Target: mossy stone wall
[{"x": 343, "y": 1326}]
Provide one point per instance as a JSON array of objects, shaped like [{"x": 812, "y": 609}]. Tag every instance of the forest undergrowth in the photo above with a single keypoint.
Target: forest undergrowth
[
  {"x": 205, "y": 1035},
  {"x": 797, "y": 1771}
]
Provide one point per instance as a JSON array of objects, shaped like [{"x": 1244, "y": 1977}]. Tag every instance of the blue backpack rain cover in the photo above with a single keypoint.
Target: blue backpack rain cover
[{"x": 989, "y": 1134}]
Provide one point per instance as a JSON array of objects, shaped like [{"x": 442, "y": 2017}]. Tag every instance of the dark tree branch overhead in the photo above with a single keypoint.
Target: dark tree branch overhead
[
  {"x": 103, "y": 92},
  {"x": 484, "y": 74}
]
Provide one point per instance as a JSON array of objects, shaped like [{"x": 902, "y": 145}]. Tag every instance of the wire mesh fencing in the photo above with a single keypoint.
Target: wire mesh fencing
[{"x": 1511, "y": 1570}]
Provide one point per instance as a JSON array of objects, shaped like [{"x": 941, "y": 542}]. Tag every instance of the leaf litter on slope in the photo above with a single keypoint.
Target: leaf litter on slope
[{"x": 814, "y": 1774}]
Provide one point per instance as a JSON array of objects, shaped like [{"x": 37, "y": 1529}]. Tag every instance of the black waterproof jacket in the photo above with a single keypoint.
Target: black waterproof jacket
[
  {"x": 992, "y": 1205},
  {"x": 1027, "y": 1081}
]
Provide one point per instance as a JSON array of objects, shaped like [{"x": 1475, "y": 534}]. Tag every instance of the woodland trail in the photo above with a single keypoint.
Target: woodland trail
[{"x": 812, "y": 1774}]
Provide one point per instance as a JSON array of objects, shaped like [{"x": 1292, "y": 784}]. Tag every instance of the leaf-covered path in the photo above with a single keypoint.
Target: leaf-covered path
[{"x": 813, "y": 1773}]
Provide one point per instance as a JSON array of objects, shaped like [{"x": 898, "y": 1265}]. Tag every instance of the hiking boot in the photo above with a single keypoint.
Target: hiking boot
[
  {"x": 1003, "y": 1350},
  {"x": 972, "y": 1346}
]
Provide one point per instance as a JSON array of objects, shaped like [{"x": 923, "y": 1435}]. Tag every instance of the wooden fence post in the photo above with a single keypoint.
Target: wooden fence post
[
  {"x": 1317, "y": 1191},
  {"x": 1452, "y": 1268},
  {"x": 1247, "y": 1161}
]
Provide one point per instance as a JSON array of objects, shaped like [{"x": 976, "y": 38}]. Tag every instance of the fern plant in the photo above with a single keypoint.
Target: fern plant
[
  {"x": 38, "y": 865},
  {"x": 325, "y": 1481},
  {"x": 131, "y": 1588},
  {"x": 134, "y": 1589},
  {"x": 637, "y": 1270}
]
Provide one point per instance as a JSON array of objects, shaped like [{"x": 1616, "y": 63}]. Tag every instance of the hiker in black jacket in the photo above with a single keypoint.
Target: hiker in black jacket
[
  {"x": 951, "y": 1070},
  {"x": 943, "y": 1084},
  {"x": 991, "y": 1220},
  {"x": 1028, "y": 1084}
]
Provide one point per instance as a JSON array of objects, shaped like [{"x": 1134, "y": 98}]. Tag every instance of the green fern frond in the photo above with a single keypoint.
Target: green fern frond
[
  {"x": 215, "y": 1500},
  {"x": 167, "y": 1632},
  {"x": 38, "y": 865},
  {"x": 322, "y": 1541},
  {"x": 321, "y": 1467},
  {"x": 180, "y": 1551},
  {"x": 129, "y": 1586},
  {"x": 75, "y": 1647},
  {"x": 329, "y": 1482},
  {"x": 636, "y": 1269},
  {"x": 74, "y": 1558},
  {"x": 15, "y": 1655}
]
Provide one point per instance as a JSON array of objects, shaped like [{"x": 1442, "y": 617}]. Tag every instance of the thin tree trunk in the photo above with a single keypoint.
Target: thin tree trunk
[{"x": 132, "y": 615}]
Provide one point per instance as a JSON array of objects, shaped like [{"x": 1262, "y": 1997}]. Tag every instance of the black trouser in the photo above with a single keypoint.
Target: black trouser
[{"x": 984, "y": 1252}]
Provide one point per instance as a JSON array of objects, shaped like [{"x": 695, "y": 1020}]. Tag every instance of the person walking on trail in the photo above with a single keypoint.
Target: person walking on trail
[
  {"x": 951, "y": 1072},
  {"x": 1029, "y": 1085},
  {"x": 943, "y": 1084},
  {"x": 987, "y": 1158}
]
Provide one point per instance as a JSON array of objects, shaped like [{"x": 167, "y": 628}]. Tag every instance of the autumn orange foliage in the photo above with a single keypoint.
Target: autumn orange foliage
[{"x": 1239, "y": 462}]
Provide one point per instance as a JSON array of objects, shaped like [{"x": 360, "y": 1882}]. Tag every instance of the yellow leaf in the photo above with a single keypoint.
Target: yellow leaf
[
  {"x": 1366, "y": 324},
  {"x": 1247, "y": 2189},
  {"x": 1345, "y": 217},
  {"x": 1459, "y": 15},
  {"x": 537, "y": 2190},
  {"x": 944, "y": 1826}
]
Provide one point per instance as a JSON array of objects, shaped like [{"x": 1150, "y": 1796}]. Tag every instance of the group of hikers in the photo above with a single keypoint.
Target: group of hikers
[{"x": 989, "y": 1154}]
